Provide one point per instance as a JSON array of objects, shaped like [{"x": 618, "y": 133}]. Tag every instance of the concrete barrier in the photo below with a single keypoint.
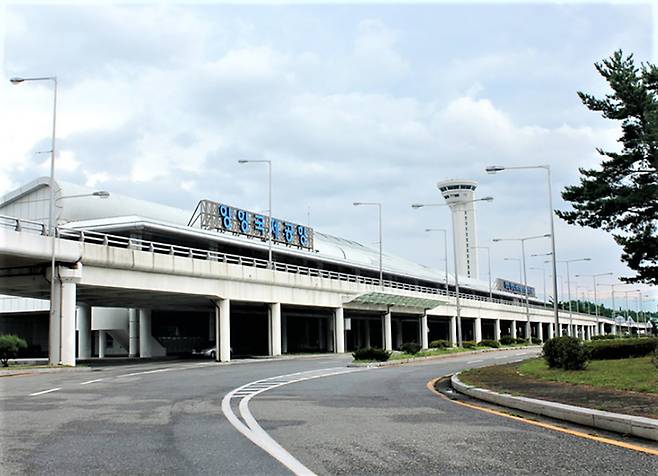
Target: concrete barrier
[{"x": 617, "y": 422}]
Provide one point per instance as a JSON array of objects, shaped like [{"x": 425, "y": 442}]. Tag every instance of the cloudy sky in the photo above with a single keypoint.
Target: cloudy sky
[{"x": 350, "y": 102}]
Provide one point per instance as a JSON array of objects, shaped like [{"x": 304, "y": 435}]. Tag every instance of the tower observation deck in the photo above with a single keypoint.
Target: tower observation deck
[{"x": 455, "y": 192}]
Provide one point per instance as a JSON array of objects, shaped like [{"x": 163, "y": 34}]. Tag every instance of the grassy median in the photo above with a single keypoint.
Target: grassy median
[
  {"x": 636, "y": 375},
  {"x": 627, "y": 386}
]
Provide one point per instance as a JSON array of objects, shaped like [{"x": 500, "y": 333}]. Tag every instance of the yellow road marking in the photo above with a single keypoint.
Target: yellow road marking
[{"x": 548, "y": 426}]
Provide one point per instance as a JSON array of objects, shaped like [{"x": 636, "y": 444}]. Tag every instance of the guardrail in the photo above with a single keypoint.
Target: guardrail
[{"x": 87, "y": 236}]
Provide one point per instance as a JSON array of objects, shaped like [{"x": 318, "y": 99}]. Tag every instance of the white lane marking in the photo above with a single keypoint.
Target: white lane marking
[
  {"x": 501, "y": 357},
  {"x": 474, "y": 361},
  {"x": 253, "y": 431},
  {"x": 521, "y": 353},
  {"x": 91, "y": 381},
  {"x": 45, "y": 391},
  {"x": 145, "y": 372}
]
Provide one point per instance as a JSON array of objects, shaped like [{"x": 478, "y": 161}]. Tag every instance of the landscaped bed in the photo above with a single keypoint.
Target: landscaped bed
[{"x": 628, "y": 386}]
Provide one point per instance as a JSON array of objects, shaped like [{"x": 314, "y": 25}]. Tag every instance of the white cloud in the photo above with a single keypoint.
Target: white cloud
[{"x": 171, "y": 98}]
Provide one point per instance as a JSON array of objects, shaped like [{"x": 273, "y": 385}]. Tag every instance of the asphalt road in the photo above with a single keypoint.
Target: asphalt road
[{"x": 166, "y": 418}]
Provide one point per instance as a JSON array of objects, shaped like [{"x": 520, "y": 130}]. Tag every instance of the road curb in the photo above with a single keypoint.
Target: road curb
[
  {"x": 617, "y": 422},
  {"x": 46, "y": 370},
  {"x": 390, "y": 363}
]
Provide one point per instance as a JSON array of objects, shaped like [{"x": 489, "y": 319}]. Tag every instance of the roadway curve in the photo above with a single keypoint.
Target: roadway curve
[{"x": 166, "y": 418}]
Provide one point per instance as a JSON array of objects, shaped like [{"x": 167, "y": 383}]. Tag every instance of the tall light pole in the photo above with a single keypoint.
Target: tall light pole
[
  {"x": 567, "y": 261},
  {"x": 528, "y": 329},
  {"x": 270, "y": 263},
  {"x": 489, "y": 266},
  {"x": 596, "y": 304},
  {"x": 499, "y": 168},
  {"x": 520, "y": 266},
  {"x": 543, "y": 275},
  {"x": 53, "y": 324},
  {"x": 445, "y": 249},
  {"x": 454, "y": 253},
  {"x": 379, "y": 210}
]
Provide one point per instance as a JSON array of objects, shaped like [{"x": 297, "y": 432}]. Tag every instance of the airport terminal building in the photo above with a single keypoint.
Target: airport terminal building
[{"x": 142, "y": 279}]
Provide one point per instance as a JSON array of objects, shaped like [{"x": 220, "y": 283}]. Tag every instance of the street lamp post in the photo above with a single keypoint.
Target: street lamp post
[
  {"x": 567, "y": 261},
  {"x": 270, "y": 263},
  {"x": 53, "y": 358},
  {"x": 543, "y": 275},
  {"x": 498, "y": 168},
  {"x": 596, "y": 304},
  {"x": 445, "y": 249},
  {"x": 379, "y": 210},
  {"x": 528, "y": 329},
  {"x": 489, "y": 266},
  {"x": 454, "y": 253}
]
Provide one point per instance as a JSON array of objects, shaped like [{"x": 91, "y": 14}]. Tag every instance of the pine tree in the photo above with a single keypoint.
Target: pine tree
[{"x": 621, "y": 196}]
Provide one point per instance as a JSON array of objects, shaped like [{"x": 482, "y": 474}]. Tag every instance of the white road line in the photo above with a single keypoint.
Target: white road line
[
  {"x": 501, "y": 357},
  {"x": 91, "y": 381},
  {"x": 522, "y": 353},
  {"x": 145, "y": 372},
  {"x": 474, "y": 361},
  {"x": 45, "y": 391},
  {"x": 253, "y": 431}
]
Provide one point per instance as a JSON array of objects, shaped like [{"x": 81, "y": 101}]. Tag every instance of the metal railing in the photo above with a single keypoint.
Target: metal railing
[{"x": 94, "y": 237}]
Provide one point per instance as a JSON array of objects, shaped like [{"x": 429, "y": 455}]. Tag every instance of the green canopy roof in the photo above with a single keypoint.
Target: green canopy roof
[{"x": 396, "y": 300}]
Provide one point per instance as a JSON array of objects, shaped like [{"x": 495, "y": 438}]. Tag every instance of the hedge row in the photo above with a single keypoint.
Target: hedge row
[
  {"x": 371, "y": 353},
  {"x": 620, "y": 348}
]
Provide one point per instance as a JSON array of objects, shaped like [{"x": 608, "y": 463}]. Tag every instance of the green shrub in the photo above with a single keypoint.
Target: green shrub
[
  {"x": 9, "y": 347},
  {"x": 410, "y": 348},
  {"x": 621, "y": 348},
  {"x": 371, "y": 353},
  {"x": 605, "y": 337},
  {"x": 440, "y": 344},
  {"x": 468, "y": 344},
  {"x": 565, "y": 352},
  {"x": 507, "y": 340},
  {"x": 536, "y": 341},
  {"x": 521, "y": 340},
  {"x": 489, "y": 343}
]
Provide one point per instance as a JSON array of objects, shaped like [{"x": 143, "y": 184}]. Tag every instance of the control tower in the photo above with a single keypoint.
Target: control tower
[{"x": 455, "y": 192}]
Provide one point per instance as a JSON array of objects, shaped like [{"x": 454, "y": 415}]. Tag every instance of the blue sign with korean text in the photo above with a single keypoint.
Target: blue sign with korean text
[{"x": 222, "y": 217}]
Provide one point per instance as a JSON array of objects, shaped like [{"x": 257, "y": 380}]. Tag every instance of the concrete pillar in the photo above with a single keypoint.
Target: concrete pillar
[
  {"x": 133, "y": 332},
  {"x": 84, "y": 331},
  {"x": 223, "y": 330},
  {"x": 322, "y": 340},
  {"x": 102, "y": 344},
  {"x": 477, "y": 329},
  {"x": 366, "y": 333},
  {"x": 550, "y": 331},
  {"x": 540, "y": 331},
  {"x": 453, "y": 330},
  {"x": 398, "y": 334},
  {"x": 54, "y": 319},
  {"x": 513, "y": 329},
  {"x": 284, "y": 334},
  {"x": 388, "y": 342},
  {"x": 275, "y": 328},
  {"x": 145, "y": 325},
  {"x": 424, "y": 332},
  {"x": 339, "y": 326},
  {"x": 614, "y": 329},
  {"x": 528, "y": 330},
  {"x": 68, "y": 322},
  {"x": 497, "y": 329},
  {"x": 329, "y": 335},
  {"x": 211, "y": 327}
]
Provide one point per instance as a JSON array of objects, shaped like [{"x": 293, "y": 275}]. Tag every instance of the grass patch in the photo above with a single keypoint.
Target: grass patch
[
  {"x": 433, "y": 352},
  {"x": 635, "y": 374}
]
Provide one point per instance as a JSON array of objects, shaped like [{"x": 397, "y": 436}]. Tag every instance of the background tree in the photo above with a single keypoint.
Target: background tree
[
  {"x": 622, "y": 196},
  {"x": 9, "y": 347}
]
